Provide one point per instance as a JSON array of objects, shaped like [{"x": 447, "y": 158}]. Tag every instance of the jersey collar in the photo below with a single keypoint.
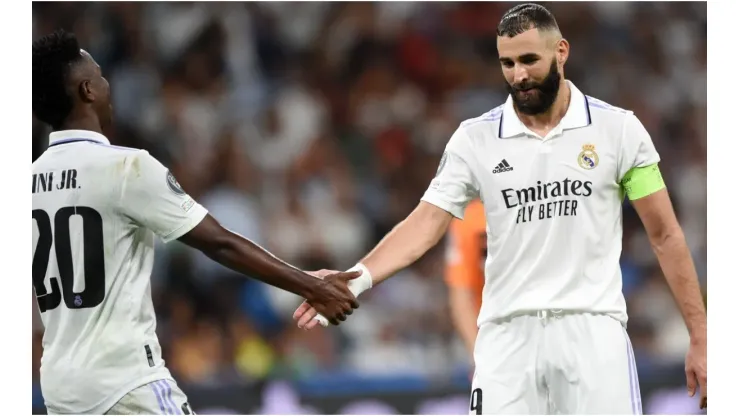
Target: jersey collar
[
  {"x": 71, "y": 136},
  {"x": 577, "y": 116}
]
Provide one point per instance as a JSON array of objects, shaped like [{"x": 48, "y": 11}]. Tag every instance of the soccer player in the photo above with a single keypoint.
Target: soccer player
[
  {"x": 96, "y": 211},
  {"x": 464, "y": 270},
  {"x": 552, "y": 167}
]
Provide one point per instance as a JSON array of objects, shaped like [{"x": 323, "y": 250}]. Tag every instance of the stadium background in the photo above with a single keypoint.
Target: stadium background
[{"x": 313, "y": 128}]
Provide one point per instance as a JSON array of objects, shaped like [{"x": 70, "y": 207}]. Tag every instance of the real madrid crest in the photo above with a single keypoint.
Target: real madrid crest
[{"x": 588, "y": 159}]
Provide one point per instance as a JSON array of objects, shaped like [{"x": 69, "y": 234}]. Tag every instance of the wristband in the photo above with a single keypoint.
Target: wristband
[{"x": 356, "y": 286}]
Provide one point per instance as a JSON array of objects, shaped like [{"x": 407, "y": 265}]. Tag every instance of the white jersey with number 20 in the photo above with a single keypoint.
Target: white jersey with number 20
[{"x": 96, "y": 210}]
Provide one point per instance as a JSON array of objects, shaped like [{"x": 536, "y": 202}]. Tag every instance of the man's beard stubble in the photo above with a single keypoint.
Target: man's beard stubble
[{"x": 547, "y": 92}]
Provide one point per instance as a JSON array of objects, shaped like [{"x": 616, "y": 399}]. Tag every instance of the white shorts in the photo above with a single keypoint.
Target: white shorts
[
  {"x": 555, "y": 363},
  {"x": 161, "y": 397}
]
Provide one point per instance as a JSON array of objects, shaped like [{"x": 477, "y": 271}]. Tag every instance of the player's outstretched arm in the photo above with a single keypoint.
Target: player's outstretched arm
[
  {"x": 152, "y": 198},
  {"x": 669, "y": 244},
  {"x": 448, "y": 194},
  {"x": 405, "y": 244},
  {"x": 242, "y": 255}
]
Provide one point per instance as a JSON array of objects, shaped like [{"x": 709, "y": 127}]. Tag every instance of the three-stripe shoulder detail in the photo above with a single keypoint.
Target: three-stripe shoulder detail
[
  {"x": 491, "y": 116},
  {"x": 596, "y": 103}
]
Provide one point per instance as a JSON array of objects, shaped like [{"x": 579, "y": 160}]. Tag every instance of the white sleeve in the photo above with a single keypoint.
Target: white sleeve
[
  {"x": 455, "y": 185},
  {"x": 153, "y": 198},
  {"x": 637, "y": 149}
]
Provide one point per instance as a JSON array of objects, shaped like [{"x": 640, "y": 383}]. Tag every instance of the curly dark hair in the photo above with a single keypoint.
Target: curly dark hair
[
  {"x": 524, "y": 17},
  {"x": 53, "y": 57}
]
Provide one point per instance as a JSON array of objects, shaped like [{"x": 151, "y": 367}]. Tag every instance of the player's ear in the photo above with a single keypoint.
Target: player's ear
[
  {"x": 562, "y": 51},
  {"x": 85, "y": 91}
]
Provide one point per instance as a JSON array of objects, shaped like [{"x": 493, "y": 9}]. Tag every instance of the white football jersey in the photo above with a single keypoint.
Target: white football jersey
[
  {"x": 553, "y": 204},
  {"x": 96, "y": 210}
]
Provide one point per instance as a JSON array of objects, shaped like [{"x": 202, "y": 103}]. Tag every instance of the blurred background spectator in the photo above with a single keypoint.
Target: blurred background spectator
[{"x": 313, "y": 128}]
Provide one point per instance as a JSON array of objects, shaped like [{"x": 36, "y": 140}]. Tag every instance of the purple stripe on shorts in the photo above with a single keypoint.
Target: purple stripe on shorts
[
  {"x": 163, "y": 390},
  {"x": 632, "y": 377},
  {"x": 634, "y": 388},
  {"x": 176, "y": 410},
  {"x": 637, "y": 379},
  {"x": 159, "y": 397}
]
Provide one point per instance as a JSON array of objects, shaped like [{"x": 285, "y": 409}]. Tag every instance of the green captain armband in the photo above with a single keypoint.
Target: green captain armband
[{"x": 641, "y": 182}]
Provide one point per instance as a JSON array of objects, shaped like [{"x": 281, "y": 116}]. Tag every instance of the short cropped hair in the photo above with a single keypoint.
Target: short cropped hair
[
  {"x": 53, "y": 57},
  {"x": 525, "y": 17}
]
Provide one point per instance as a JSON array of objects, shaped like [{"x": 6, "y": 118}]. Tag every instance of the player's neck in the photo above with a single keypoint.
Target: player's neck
[
  {"x": 89, "y": 123},
  {"x": 548, "y": 120}
]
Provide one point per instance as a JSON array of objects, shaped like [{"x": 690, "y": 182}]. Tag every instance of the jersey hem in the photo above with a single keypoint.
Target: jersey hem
[
  {"x": 620, "y": 316},
  {"x": 114, "y": 398}
]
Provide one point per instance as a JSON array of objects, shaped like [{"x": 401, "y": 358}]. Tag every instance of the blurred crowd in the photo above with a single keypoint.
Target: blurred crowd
[{"x": 313, "y": 128}]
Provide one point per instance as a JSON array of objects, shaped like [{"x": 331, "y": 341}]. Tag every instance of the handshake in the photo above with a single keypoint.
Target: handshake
[{"x": 335, "y": 297}]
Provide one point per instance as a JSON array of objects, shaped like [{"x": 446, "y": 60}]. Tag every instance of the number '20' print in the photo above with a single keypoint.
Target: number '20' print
[{"x": 93, "y": 266}]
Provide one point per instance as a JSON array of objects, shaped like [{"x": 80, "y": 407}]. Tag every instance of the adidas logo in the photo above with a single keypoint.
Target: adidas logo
[{"x": 503, "y": 167}]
